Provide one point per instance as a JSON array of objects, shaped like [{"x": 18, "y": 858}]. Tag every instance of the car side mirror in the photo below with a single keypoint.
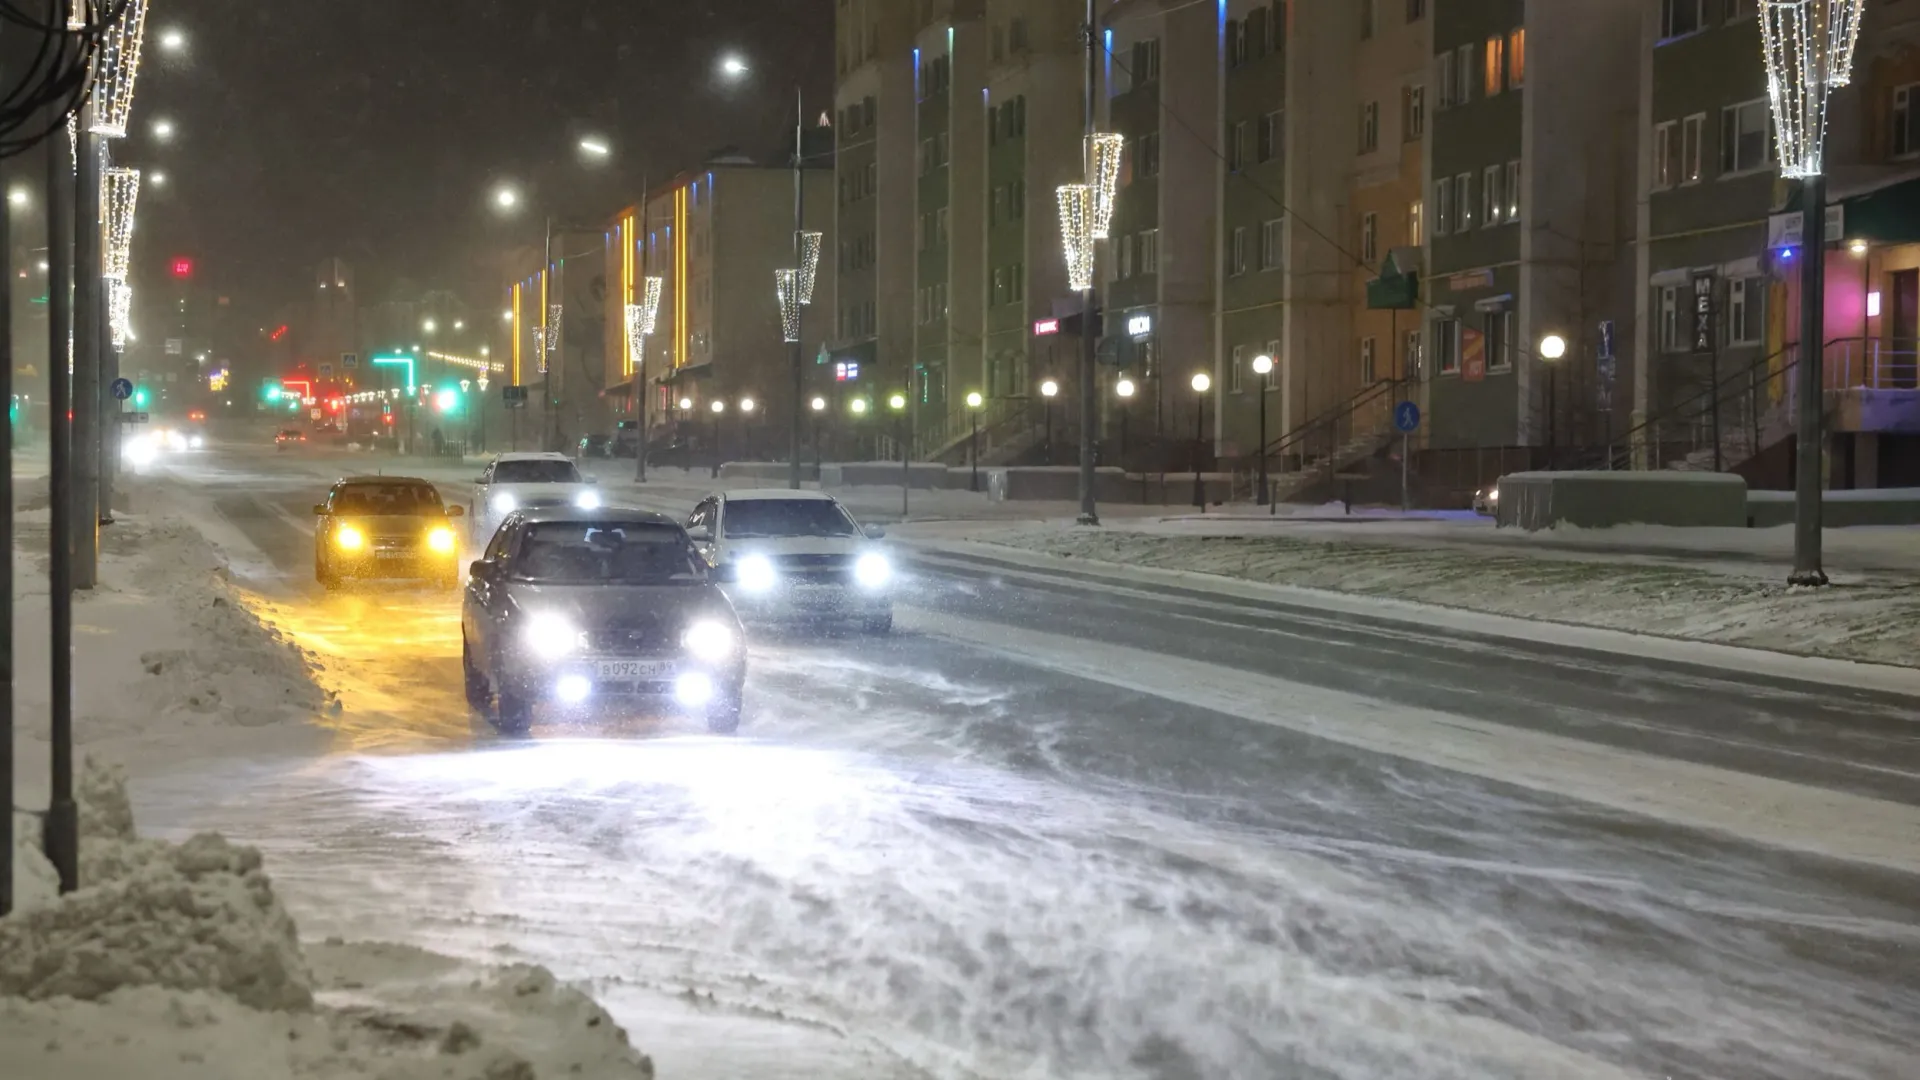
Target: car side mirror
[
  {"x": 480, "y": 569},
  {"x": 479, "y": 479},
  {"x": 875, "y": 532},
  {"x": 456, "y": 511},
  {"x": 319, "y": 509},
  {"x": 701, "y": 536}
]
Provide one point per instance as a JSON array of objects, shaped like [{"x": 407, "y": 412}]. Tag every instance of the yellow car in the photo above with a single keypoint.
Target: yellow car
[{"x": 385, "y": 527}]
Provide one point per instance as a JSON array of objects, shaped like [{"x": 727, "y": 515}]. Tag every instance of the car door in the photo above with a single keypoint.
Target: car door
[{"x": 486, "y": 593}]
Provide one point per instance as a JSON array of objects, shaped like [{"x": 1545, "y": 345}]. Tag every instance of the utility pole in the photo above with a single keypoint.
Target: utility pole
[
  {"x": 642, "y": 232},
  {"x": 87, "y": 280},
  {"x": 1810, "y": 436},
  {"x": 799, "y": 256},
  {"x": 6, "y": 564},
  {"x": 61, "y": 829},
  {"x": 1089, "y": 302}
]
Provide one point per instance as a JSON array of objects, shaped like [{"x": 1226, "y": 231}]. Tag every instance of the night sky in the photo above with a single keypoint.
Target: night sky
[{"x": 376, "y": 129}]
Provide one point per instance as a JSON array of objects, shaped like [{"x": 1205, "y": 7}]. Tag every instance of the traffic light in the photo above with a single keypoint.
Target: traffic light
[
  {"x": 447, "y": 400},
  {"x": 140, "y": 397}
]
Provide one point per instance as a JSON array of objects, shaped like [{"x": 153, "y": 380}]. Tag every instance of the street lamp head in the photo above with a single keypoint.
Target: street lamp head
[
  {"x": 1262, "y": 364},
  {"x": 1202, "y": 382},
  {"x": 595, "y": 147},
  {"x": 163, "y": 130},
  {"x": 429, "y": 326},
  {"x": 1857, "y": 248},
  {"x": 485, "y": 350},
  {"x": 746, "y": 404},
  {"x": 857, "y": 406},
  {"x": 819, "y": 404},
  {"x": 897, "y": 402},
  {"x": 506, "y": 198},
  {"x": 1124, "y": 388},
  {"x": 507, "y": 315},
  {"x": 686, "y": 403},
  {"x": 157, "y": 178},
  {"x": 718, "y": 407},
  {"x": 733, "y": 66},
  {"x": 1553, "y": 347},
  {"x": 172, "y": 40},
  {"x": 459, "y": 324},
  {"x": 974, "y": 399},
  {"x": 1049, "y": 388},
  {"x": 17, "y": 197}
]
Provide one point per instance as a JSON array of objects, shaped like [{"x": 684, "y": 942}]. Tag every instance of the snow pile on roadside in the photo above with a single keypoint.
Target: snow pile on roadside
[
  {"x": 1878, "y": 623},
  {"x": 177, "y": 960},
  {"x": 231, "y": 667}
]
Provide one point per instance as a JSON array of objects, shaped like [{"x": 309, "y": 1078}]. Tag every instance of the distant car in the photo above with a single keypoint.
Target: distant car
[
  {"x": 1486, "y": 501},
  {"x": 596, "y": 446},
  {"x": 527, "y": 481},
  {"x": 385, "y": 527},
  {"x": 570, "y": 606},
  {"x": 289, "y": 438},
  {"x": 795, "y": 556}
]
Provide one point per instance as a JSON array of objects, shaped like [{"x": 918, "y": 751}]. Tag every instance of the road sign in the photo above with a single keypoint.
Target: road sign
[
  {"x": 1606, "y": 339},
  {"x": 132, "y": 417},
  {"x": 514, "y": 396},
  {"x": 122, "y": 389},
  {"x": 349, "y": 361},
  {"x": 1406, "y": 417},
  {"x": 326, "y": 368},
  {"x": 176, "y": 347}
]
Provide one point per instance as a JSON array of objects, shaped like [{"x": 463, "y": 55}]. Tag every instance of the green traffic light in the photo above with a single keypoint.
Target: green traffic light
[{"x": 140, "y": 397}]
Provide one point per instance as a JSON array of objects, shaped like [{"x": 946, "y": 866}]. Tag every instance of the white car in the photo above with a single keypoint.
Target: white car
[
  {"x": 1486, "y": 501},
  {"x": 527, "y": 481},
  {"x": 795, "y": 556}
]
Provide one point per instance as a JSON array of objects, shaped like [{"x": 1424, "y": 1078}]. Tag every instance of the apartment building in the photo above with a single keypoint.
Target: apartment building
[
  {"x": 1725, "y": 243},
  {"x": 715, "y": 238},
  {"x": 1530, "y": 221},
  {"x": 1393, "y": 77}
]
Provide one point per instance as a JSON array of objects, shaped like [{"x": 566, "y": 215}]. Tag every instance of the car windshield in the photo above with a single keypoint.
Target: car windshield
[
  {"x": 628, "y": 553},
  {"x": 387, "y": 500},
  {"x": 787, "y": 517},
  {"x": 535, "y": 472}
]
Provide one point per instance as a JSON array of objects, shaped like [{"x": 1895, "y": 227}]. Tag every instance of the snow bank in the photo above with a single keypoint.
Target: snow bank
[{"x": 177, "y": 960}]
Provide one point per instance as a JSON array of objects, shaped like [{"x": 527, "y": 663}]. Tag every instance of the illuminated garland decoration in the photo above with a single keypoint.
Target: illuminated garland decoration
[
  {"x": 467, "y": 362},
  {"x": 116, "y": 68},
  {"x": 546, "y": 339},
  {"x": 1076, "y": 233},
  {"x": 809, "y": 264},
  {"x": 786, "y": 290},
  {"x": 119, "y": 195},
  {"x": 120, "y": 313},
  {"x": 1808, "y": 47},
  {"x": 650, "y": 302},
  {"x": 1106, "y": 174}
]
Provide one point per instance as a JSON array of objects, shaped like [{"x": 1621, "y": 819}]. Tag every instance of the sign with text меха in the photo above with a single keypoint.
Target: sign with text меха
[{"x": 1702, "y": 335}]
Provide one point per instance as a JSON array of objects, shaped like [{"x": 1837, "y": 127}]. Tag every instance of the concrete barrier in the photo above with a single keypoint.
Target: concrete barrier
[
  {"x": 924, "y": 475},
  {"x": 1839, "y": 509},
  {"x": 1600, "y": 499}
]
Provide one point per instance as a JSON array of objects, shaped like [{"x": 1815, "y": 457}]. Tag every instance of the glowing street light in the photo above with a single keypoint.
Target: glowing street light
[
  {"x": 974, "y": 401},
  {"x": 18, "y": 197},
  {"x": 595, "y": 147},
  {"x": 1553, "y": 347},
  {"x": 1202, "y": 382},
  {"x": 819, "y": 404},
  {"x": 429, "y": 326},
  {"x": 686, "y": 403},
  {"x": 1049, "y": 388},
  {"x": 746, "y": 405},
  {"x": 461, "y": 324},
  {"x": 172, "y": 40},
  {"x": 1263, "y": 367},
  {"x": 1124, "y": 388},
  {"x": 506, "y": 198},
  {"x": 733, "y": 66},
  {"x": 163, "y": 130},
  {"x": 858, "y": 406},
  {"x": 157, "y": 178}
]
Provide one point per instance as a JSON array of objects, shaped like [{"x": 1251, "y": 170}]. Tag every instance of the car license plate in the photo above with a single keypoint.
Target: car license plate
[
  {"x": 818, "y": 595},
  {"x": 391, "y": 554},
  {"x": 623, "y": 670}
]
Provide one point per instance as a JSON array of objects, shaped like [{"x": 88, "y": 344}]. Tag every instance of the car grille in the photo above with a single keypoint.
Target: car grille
[
  {"x": 395, "y": 543},
  {"x": 538, "y": 501},
  {"x": 815, "y": 569},
  {"x": 631, "y": 639}
]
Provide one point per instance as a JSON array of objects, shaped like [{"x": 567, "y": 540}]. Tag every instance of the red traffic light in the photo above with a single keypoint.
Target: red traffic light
[
  {"x": 183, "y": 268},
  {"x": 386, "y": 418}
]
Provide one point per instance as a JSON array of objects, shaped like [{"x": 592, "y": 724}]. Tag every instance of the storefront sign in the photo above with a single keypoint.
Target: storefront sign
[
  {"x": 1043, "y": 327},
  {"x": 1473, "y": 355},
  {"x": 1139, "y": 325}
]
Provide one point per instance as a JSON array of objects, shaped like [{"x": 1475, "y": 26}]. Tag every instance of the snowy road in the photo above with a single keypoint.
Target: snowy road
[{"x": 1055, "y": 828}]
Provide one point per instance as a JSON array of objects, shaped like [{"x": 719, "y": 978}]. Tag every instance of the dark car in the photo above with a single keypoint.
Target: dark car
[
  {"x": 596, "y": 446},
  {"x": 570, "y": 606},
  {"x": 385, "y": 527},
  {"x": 289, "y": 437}
]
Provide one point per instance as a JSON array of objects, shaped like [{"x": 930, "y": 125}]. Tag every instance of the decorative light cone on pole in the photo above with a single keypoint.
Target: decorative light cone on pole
[
  {"x": 1076, "y": 233},
  {"x": 1103, "y": 153},
  {"x": 1808, "y": 45},
  {"x": 786, "y": 290},
  {"x": 119, "y": 195},
  {"x": 809, "y": 263},
  {"x": 116, "y": 69}
]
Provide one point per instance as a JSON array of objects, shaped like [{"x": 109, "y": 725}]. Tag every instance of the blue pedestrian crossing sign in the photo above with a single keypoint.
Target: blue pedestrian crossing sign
[
  {"x": 1406, "y": 417},
  {"x": 122, "y": 389}
]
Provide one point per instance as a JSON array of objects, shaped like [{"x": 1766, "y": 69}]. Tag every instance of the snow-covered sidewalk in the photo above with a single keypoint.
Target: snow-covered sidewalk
[
  {"x": 177, "y": 960},
  {"x": 1871, "y": 614}
]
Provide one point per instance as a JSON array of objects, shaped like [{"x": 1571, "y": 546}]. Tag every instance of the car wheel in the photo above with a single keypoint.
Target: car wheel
[
  {"x": 476, "y": 685},
  {"x": 723, "y": 716},
  {"x": 878, "y": 624}
]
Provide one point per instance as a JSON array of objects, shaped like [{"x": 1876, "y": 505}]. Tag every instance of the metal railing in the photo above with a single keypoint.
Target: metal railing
[{"x": 1320, "y": 447}]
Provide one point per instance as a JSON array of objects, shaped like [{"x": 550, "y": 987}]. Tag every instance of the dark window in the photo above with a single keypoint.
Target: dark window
[
  {"x": 639, "y": 553},
  {"x": 535, "y": 472},
  {"x": 787, "y": 517},
  {"x": 386, "y": 500}
]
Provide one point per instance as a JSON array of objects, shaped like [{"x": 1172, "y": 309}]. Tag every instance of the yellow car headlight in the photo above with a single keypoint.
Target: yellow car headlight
[
  {"x": 350, "y": 538},
  {"x": 440, "y": 540}
]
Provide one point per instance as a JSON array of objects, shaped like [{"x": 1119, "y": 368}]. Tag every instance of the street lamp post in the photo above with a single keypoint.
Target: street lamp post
[
  {"x": 1048, "y": 390},
  {"x": 898, "y": 403},
  {"x": 719, "y": 409},
  {"x": 681, "y": 432},
  {"x": 819, "y": 405},
  {"x": 1124, "y": 390},
  {"x": 746, "y": 428},
  {"x": 1263, "y": 367},
  {"x": 1552, "y": 348},
  {"x": 1202, "y": 382},
  {"x": 973, "y": 439}
]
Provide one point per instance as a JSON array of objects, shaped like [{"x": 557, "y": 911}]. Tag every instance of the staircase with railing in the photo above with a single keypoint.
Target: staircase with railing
[{"x": 1318, "y": 450}]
